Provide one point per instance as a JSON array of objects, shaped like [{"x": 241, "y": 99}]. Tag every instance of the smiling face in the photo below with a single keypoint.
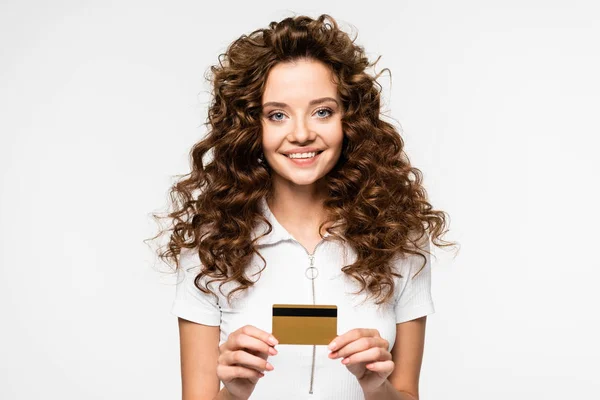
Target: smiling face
[{"x": 302, "y": 114}]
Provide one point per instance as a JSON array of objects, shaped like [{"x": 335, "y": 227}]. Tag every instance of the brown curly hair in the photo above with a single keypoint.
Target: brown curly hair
[{"x": 375, "y": 196}]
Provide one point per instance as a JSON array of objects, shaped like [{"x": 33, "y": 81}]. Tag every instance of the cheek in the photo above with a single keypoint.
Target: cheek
[
  {"x": 337, "y": 139},
  {"x": 268, "y": 143}
]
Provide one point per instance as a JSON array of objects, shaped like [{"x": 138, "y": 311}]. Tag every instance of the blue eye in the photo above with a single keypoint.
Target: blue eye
[
  {"x": 327, "y": 110},
  {"x": 277, "y": 113}
]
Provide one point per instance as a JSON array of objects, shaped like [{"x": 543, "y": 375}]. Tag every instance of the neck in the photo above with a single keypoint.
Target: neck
[{"x": 298, "y": 206}]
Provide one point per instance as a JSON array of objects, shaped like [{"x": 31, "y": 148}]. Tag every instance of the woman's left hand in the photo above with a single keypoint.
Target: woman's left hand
[{"x": 365, "y": 353}]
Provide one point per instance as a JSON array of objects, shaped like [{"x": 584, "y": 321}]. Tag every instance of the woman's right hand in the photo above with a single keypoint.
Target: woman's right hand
[{"x": 243, "y": 358}]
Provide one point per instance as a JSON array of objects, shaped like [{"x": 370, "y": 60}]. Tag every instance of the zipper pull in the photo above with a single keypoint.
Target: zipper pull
[{"x": 311, "y": 272}]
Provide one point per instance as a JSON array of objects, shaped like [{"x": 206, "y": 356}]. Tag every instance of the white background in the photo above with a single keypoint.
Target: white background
[{"x": 101, "y": 101}]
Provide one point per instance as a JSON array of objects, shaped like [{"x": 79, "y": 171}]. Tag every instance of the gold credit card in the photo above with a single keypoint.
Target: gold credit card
[{"x": 304, "y": 323}]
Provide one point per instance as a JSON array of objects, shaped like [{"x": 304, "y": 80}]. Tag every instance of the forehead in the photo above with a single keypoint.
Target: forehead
[{"x": 299, "y": 80}]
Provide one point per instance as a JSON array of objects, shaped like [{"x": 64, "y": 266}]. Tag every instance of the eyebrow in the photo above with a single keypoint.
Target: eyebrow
[{"x": 312, "y": 102}]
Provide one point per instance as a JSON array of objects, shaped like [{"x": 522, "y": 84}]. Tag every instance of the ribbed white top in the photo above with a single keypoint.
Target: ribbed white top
[{"x": 284, "y": 281}]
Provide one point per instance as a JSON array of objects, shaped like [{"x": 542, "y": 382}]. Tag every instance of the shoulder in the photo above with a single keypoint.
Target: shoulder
[
  {"x": 188, "y": 263},
  {"x": 417, "y": 258},
  {"x": 189, "y": 258}
]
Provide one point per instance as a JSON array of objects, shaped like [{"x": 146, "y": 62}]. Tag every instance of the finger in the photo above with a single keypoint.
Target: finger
[
  {"x": 242, "y": 341},
  {"x": 229, "y": 372},
  {"x": 359, "y": 345},
  {"x": 371, "y": 355},
  {"x": 272, "y": 352},
  {"x": 253, "y": 331},
  {"x": 260, "y": 354},
  {"x": 351, "y": 336},
  {"x": 383, "y": 367},
  {"x": 245, "y": 359}
]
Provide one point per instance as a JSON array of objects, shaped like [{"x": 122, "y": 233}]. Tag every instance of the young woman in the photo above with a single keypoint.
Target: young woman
[{"x": 300, "y": 194}]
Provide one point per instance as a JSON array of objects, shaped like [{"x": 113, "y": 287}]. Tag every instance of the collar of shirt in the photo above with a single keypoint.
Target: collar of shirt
[{"x": 278, "y": 232}]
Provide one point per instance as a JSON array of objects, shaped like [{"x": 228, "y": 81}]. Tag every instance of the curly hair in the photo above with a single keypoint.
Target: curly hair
[{"x": 375, "y": 197}]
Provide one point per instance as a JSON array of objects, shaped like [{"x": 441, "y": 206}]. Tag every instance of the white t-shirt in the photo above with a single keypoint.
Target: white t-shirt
[{"x": 284, "y": 281}]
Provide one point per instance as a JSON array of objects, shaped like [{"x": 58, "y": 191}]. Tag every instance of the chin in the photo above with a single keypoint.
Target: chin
[
  {"x": 304, "y": 182},
  {"x": 300, "y": 180}
]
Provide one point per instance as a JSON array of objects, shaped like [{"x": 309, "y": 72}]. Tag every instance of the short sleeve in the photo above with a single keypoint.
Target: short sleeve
[
  {"x": 190, "y": 303},
  {"x": 414, "y": 299}
]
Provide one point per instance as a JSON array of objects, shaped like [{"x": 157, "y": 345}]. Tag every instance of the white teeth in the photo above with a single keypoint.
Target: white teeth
[{"x": 303, "y": 155}]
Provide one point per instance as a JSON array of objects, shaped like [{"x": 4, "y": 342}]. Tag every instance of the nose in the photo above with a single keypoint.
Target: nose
[{"x": 301, "y": 132}]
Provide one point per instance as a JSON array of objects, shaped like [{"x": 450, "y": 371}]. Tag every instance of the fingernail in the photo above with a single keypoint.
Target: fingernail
[
  {"x": 345, "y": 361},
  {"x": 270, "y": 367},
  {"x": 272, "y": 351},
  {"x": 332, "y": 345},
  {"x": 272, "y": 340}
]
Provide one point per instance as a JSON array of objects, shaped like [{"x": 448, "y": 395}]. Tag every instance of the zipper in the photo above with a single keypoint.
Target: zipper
[
  {"x": 314, "y": 349},
  {"x": 312, "y": 277}
]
